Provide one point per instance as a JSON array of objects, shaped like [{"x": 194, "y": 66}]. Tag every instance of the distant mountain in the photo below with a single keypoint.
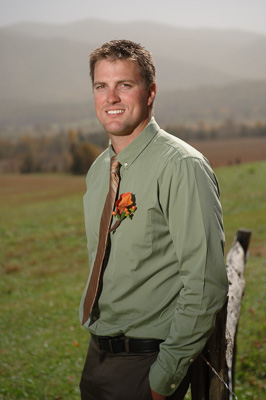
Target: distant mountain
[
  {"x": 214, "y": 48},
  {"x": 243, "y": 102},
  {"x": 44, "y": 69}
]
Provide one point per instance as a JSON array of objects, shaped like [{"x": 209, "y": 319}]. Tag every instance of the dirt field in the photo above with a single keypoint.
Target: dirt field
[
  {"x": 25, "y": 188},
  {"x": 227, "y": 152}
]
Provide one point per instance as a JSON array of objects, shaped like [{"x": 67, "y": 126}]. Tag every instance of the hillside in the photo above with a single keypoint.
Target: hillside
[
  {"x": 44, "y": 74},
  {"x": 243, "y": 102}
]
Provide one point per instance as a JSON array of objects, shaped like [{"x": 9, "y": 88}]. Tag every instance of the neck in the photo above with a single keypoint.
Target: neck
[{"x": 120, "y": 142}]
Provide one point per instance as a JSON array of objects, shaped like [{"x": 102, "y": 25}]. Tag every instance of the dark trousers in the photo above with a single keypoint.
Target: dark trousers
[{"x": 121, "y": 376}]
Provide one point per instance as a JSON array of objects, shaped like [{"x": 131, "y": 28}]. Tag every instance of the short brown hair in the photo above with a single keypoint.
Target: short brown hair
[{"x": 125, "y": 50}]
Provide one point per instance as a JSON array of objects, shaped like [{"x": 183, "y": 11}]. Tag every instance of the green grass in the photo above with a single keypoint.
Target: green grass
[
  {"x": 243, "y": 197},
  {"x": 44, "y": 267}
]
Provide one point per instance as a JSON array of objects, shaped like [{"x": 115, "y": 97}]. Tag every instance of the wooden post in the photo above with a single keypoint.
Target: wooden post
[
  {"x": 235, "y": 264},
  {"x": 219, "y": 350}
]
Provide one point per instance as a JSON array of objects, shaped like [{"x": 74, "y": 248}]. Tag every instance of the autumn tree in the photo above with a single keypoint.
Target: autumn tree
[{"x": 83, "y": 156}]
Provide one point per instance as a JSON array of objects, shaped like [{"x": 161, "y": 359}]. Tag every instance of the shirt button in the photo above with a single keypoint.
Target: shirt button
[
  {"x": 125, "y": 164},
  {"x": 191, "y": 360},
  {"x": 173, "y": 386}
]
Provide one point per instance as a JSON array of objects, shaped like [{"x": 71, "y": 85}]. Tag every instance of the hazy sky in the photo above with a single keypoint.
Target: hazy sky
[{"x": 237, "y": 14}]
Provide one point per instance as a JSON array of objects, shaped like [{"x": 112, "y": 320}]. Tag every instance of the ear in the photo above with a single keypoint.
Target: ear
[{"x": 151, "y": 93}]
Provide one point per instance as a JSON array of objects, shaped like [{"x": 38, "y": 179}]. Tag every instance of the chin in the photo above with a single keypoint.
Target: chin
[{"x": 115, "y": 129}]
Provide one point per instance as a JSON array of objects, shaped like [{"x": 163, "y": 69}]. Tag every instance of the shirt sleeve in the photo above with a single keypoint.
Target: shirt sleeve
[{"x": 189, "y": 198}]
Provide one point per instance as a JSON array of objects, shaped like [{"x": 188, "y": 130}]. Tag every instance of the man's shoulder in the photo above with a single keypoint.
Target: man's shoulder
[
  {"x": 100, "y": 164},
  {"x": 101, "y": 161},
  {"x": 175, "y": 149}
]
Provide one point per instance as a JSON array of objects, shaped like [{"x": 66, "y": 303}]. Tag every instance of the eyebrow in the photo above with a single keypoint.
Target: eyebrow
[
  {"x": 97, "y": 83},
  {"x": 120, "y": 81}
]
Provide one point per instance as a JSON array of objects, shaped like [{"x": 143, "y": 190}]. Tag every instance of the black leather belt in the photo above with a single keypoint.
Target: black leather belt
[{"x": 120, "y": 344}]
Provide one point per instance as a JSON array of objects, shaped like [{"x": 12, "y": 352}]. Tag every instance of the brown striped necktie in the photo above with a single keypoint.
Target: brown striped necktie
[{"x": 103, "y": 235}]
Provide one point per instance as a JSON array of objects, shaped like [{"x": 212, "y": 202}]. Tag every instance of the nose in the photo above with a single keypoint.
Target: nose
[{"x": 112, "y": 96}]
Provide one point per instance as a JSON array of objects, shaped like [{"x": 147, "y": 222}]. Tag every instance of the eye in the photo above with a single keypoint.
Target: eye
[
  {"x": 125, "y": 85},
  {"x": 99, "y": 87}
]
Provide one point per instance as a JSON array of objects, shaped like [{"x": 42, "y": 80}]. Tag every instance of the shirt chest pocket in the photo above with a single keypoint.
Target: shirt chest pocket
[{"x": 132, "y": 240}]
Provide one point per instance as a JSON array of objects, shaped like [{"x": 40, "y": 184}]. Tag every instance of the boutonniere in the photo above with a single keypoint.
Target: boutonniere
[{"x": 125, "y": 207}]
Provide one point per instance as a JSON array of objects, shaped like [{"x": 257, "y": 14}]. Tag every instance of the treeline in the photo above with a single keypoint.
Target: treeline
[
  {"x": 73, "y": 151},
  {"x": 229, "y": 129},
  {"x": 69, "y": 152}
]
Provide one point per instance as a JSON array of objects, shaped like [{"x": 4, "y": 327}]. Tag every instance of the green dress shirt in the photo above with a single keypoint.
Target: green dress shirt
[{"x": 165, "y": 278}]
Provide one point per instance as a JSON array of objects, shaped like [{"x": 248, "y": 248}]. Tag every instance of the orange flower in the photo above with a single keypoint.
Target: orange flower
[
  {"x": 125, "y": 208},
  {"x": 123, "y": 203}
]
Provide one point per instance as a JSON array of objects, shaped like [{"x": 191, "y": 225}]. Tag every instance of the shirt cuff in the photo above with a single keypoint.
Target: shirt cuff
[{"x": 164, "y": 383}]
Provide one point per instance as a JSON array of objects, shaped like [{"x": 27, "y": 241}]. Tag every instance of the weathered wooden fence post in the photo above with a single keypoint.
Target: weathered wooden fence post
[
  {"x": 219, "y": 353},
  {"x": 235, "y": 264}
]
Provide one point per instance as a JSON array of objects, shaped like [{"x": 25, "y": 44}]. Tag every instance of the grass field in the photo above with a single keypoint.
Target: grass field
[{"x": 44, "y": 267}]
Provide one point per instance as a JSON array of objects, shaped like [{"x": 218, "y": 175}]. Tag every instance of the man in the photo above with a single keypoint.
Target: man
[{"x": 161, "y": 278}]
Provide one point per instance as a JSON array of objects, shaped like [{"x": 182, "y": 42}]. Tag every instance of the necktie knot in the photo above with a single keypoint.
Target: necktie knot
[{"x": 115, "y": 166}]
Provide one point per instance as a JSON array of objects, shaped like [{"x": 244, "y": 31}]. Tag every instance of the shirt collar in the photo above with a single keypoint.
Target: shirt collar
[{"x": 130, "y": 153}]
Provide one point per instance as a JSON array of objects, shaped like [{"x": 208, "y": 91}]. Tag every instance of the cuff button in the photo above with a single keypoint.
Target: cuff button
[{"x": 173, "y": 386}]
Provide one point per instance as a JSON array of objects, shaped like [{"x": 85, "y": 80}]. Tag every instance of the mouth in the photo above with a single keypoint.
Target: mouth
[{"x": 115, "y": 112}]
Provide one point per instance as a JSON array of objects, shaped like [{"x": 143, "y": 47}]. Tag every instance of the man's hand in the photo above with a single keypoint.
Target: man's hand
[{"x": 157, "y": 396}]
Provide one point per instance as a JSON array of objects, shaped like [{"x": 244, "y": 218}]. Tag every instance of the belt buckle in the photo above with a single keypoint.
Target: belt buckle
[
  {"x": 111, "y": 343},
  {"x": 116, "y": 344},
  {"x": 99, "y": 340}
]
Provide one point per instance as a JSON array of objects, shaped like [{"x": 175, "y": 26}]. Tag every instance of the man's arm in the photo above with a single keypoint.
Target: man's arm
[{"x": 189, "y": 197}]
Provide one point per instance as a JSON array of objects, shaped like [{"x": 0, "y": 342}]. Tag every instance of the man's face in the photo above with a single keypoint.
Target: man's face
[{"x": 122, "y": 101}]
